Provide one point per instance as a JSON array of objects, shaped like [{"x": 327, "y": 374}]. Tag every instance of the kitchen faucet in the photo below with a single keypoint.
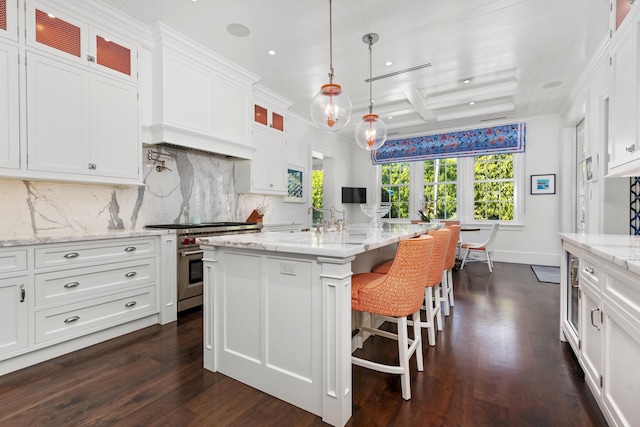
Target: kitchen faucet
[{"x": 339, "y": 224}]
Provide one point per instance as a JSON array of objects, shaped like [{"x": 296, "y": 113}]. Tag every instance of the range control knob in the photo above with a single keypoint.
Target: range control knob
[
  {"x": 186, "y": 241},
  {"x": 193, "y": 240}
]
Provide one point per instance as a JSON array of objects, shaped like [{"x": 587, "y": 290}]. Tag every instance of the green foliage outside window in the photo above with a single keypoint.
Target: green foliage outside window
[
  {"x": 441, "y": 188},
  {"x": 494, "y": 187},
  {"x": 317, "y": 194},
  {"x": 395, "y": 189}
]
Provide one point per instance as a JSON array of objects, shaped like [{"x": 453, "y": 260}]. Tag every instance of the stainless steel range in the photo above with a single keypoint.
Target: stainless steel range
[{"x": 190, "y": 273}]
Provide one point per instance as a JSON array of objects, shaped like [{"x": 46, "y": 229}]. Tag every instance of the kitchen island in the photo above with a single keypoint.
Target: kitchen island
[{"x": 277, "y": 311}]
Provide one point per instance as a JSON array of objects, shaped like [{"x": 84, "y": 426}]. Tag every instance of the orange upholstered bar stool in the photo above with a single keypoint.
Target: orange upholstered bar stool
[
  {"x": 398, "y": 294},
  {"x": 435, "y": 266},
  {"x": 446, "y": 286}
]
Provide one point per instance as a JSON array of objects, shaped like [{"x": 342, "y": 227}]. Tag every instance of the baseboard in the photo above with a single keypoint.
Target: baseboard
[{"x": 533, "y": 258}]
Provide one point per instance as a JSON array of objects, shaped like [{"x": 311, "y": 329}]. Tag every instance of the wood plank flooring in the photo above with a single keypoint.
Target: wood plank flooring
[{"x": 498, "y": 362}]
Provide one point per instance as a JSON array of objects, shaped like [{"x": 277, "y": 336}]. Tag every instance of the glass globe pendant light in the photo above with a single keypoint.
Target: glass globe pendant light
[
  {"x": 331, "y": 107},
  {"x": 371, "y": 132}
]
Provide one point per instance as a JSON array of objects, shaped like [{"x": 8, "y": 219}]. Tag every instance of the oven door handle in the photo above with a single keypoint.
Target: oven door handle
[{"x": 189, "y": 253}]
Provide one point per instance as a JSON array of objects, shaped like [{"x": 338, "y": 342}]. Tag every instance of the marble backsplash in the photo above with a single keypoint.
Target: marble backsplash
[{"x": 197, "y": 185}]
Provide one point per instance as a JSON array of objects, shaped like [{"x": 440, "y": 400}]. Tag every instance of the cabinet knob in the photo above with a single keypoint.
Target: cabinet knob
[
  {"x": 630, "y": 149},
  {"x": 590, "y": 270},
  {"x": 92, "y": 166},
  {"x": 91, "y": 58}
]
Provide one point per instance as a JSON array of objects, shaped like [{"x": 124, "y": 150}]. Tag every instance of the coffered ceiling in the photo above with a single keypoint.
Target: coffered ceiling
[{"x": 475, "y": 62}]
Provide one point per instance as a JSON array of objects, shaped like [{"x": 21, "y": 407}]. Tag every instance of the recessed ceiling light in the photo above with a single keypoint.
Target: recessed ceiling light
[
  {"x": 271, "y": 52},
  {"x": 238, "y": 30},
  {"x": 466, "y": 81},
  {"x": 472, "y": 103},
  {"x": 388, "y": 63},
  {"x": 390, "y": 117}
]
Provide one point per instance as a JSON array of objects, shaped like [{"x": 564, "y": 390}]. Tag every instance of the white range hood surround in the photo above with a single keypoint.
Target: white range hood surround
[{"x": 200, "y": 100}]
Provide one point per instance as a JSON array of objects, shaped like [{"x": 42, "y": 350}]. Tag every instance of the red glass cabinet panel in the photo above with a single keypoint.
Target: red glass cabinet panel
[
  {"x": 113, "y": 56},
  {"x": 277, "y": 121},
  {"x": 56, "y": 33},
  {"x": 260, "y": 114},
  {"x": 3, "y": 15}
]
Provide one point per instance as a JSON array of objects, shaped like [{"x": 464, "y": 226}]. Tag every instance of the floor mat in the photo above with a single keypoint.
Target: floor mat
[{"x": 546, "y": 274}]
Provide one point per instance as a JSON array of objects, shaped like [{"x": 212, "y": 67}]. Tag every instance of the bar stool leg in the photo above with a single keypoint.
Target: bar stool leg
[{"x": 403, "y": 352}]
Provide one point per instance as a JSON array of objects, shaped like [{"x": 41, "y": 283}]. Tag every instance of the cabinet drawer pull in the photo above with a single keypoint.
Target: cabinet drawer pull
[
  {"x": 71, "y": 255},
  {"x": 130, "y": 249},
  {"x": 590, "y": 270},
  {"x": 131, "y": 274},
  {"x": 130, "y": 304},
  {"x": 71, "y": 285},
  {"x": 71, "y": 319},
  {"x": 23, "y": 293},
  {"x": 592, "y": 322}
]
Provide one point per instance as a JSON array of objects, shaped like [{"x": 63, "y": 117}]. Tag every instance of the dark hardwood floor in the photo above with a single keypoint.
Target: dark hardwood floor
[{"x": 498, "y": 362}]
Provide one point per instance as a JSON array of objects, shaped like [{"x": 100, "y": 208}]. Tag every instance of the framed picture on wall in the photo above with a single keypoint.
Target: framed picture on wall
[
  {"x": 295, "y": 184},
  {"x": 543, "y": 184}
]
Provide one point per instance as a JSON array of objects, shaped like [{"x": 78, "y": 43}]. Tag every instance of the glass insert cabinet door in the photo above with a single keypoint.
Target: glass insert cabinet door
[{"x": 573, "y": 292}]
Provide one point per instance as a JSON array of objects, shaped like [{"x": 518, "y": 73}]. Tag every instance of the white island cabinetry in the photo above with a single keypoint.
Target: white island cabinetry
[
  {"x": 256, "y": 283},
  {"x": 609, "y": 328}
]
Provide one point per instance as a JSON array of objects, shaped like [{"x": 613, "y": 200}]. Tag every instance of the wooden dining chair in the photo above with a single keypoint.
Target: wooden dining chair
[{"x": 398, "y": 294}]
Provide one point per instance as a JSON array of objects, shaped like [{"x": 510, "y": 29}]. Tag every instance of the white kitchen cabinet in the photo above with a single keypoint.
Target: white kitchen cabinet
[
  {"x": 267, "y": 172},
  {"x": 591, "y": 320},
  {"x": 609, "y": 334},
  {"x": 621, "y": 334},
  {"x": 13, "y": 316},
  {"x": 269, "y": 109},
  {"x": 59, "y": 297},
  {"x": 9, "y": 107},
  {"x": 62, "y": 35},
  {"x": 79, "y": 122},
  {"x": 9, "y": 19},
  {"x": 624, "y": 99},
  {"x": 201, "y": 100}
]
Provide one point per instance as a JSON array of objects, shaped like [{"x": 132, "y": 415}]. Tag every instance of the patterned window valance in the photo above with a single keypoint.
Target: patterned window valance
[{"x": 494, "y": 140}]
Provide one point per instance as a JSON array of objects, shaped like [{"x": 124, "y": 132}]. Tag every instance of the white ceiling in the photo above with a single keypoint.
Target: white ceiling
[{"x": 510, "y": 49}]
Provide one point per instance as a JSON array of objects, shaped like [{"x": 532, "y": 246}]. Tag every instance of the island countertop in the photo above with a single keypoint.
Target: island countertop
[
  {"x": 356, "y": 240},
  {"x": 619, "y": 249}
]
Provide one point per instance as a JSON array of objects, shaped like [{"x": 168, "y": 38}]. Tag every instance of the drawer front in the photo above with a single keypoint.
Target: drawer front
[
  {"x": 590, "y": 270},
  {"x": 80, "y": 283},
  {"x": 623, "y": 287},
  {"x": 11, "y": 261},
  {"x": 79, "y": 319},
  {"x": 81, "y": 252}
]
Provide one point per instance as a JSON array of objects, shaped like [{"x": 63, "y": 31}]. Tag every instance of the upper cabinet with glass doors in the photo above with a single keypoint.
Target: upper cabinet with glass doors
[
  {"x": 54, "y": 32},
  {"x": 8, "y": 20}
]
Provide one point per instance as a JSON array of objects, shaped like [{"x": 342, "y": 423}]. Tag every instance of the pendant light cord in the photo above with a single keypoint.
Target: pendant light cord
[
  {"x": 330, "y": 45},
  {"x": 370, "y": 74}
]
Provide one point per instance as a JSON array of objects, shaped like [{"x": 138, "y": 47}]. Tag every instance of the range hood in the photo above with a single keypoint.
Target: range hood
[{"x": 199, "y": 99}]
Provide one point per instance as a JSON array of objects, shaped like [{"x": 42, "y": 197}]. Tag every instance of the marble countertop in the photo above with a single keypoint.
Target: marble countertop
[
  {"x": 356, "y": 240},
  {"x": 619, "y": 249},
  {"x": 75, "y": 236}
]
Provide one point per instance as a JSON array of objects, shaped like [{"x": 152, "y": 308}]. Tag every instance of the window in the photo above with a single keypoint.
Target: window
[
  {"x": 395, "y": 188},
  {"x": 468, "y": 189},
  {"x": 493, "y": 187},
  {"x": 441, "y": 188},
  {"x": 317, "y": 194}
]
